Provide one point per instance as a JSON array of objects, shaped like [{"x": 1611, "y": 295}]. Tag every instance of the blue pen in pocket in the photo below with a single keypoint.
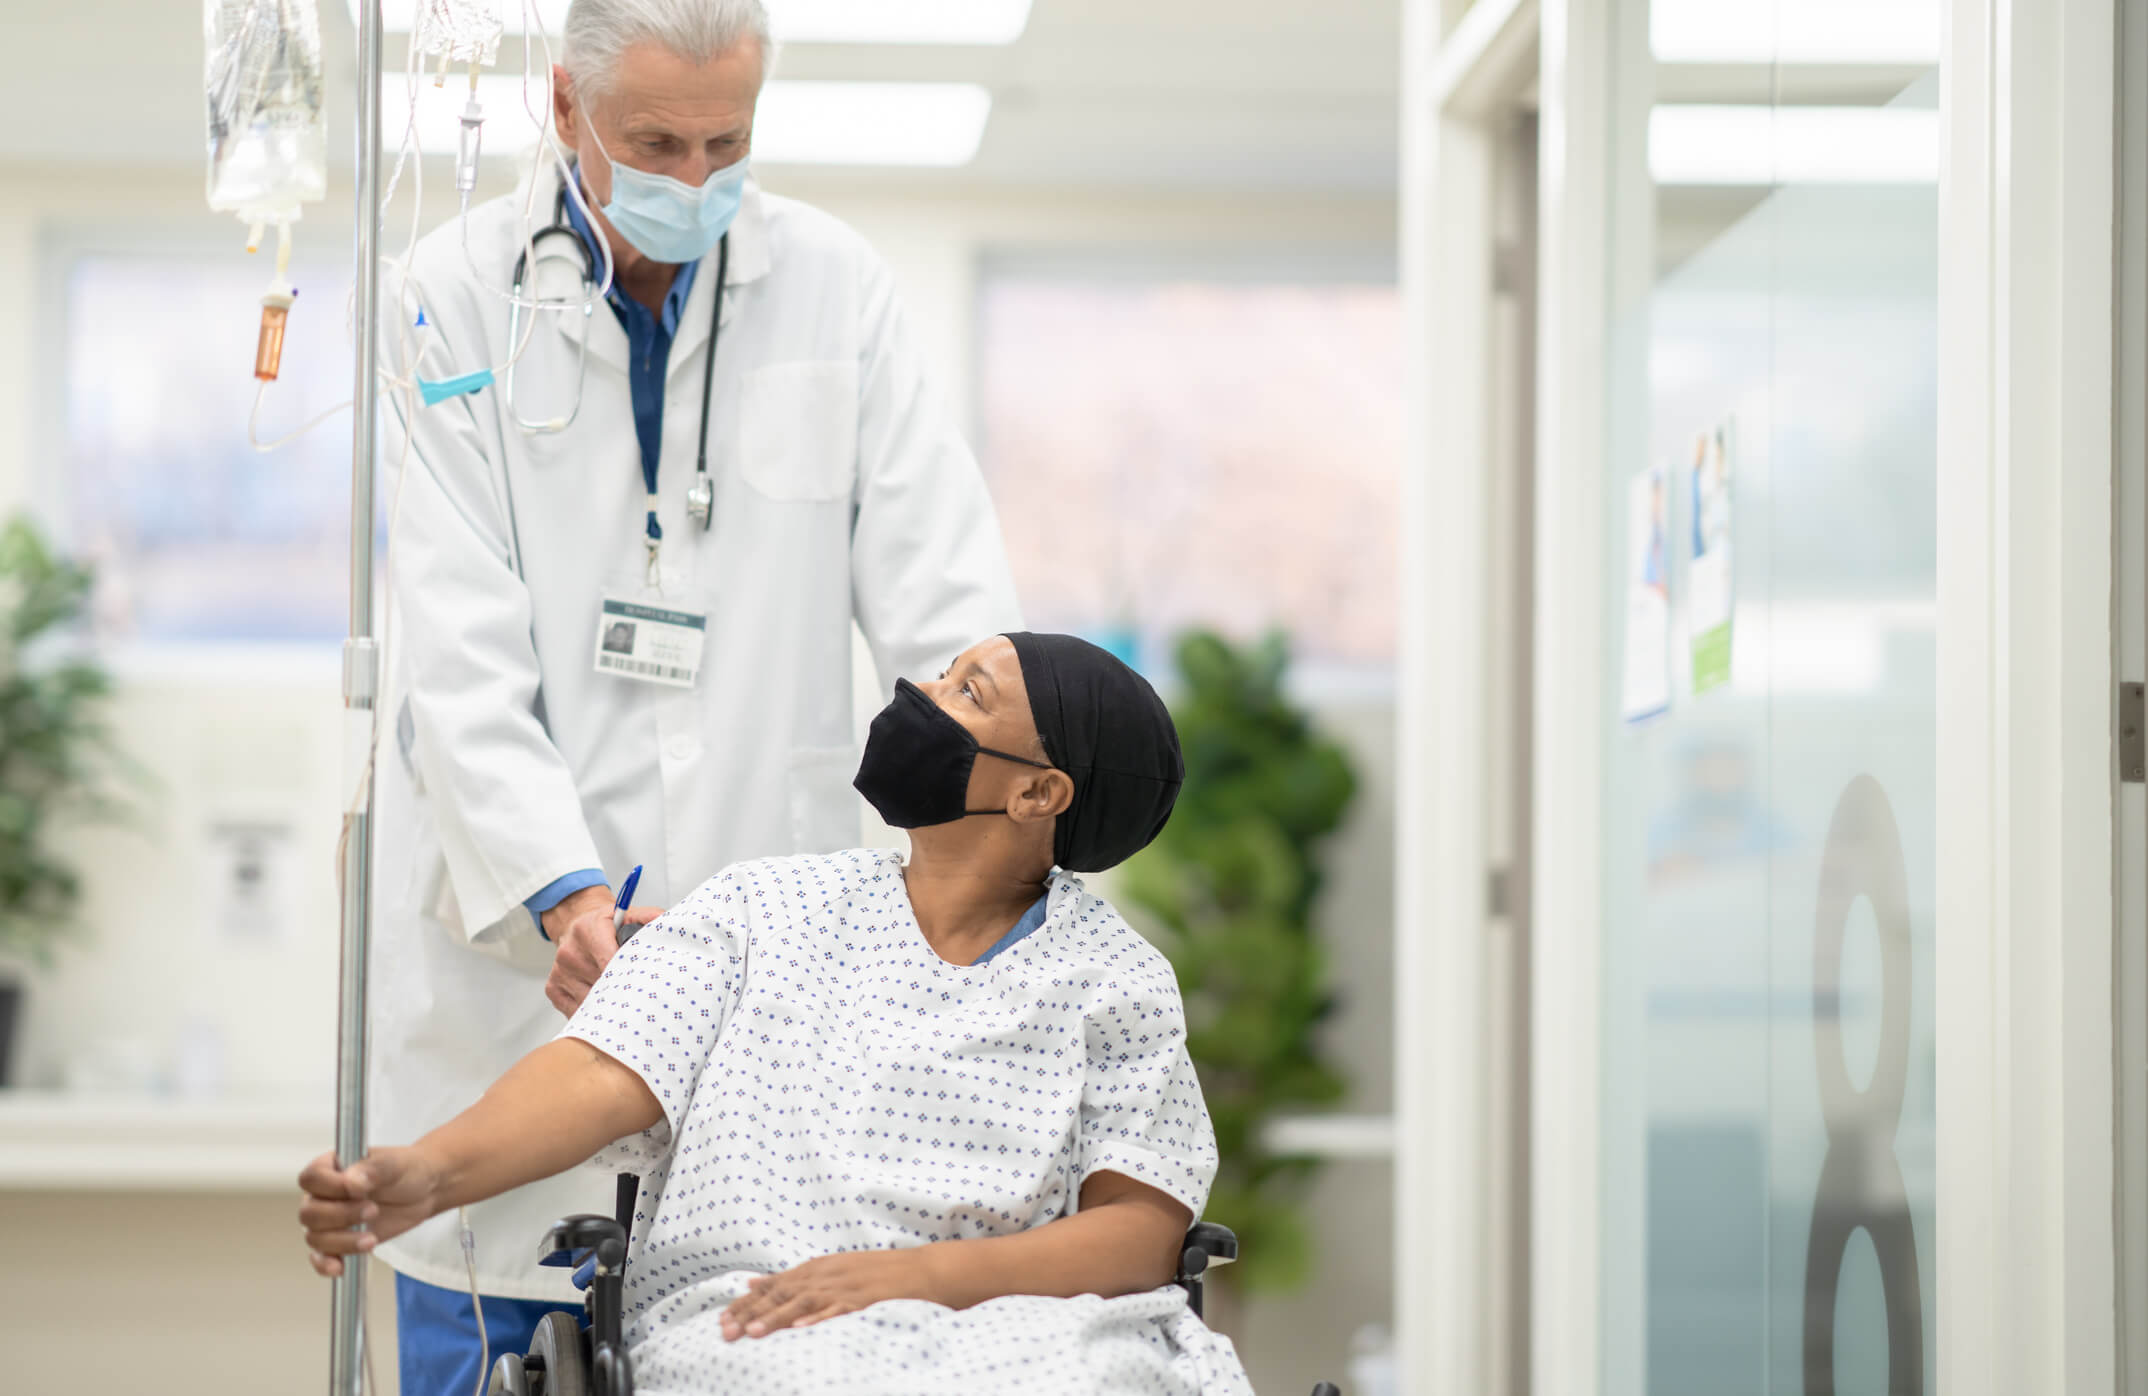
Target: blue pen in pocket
[{"x": 626, "y": 897}]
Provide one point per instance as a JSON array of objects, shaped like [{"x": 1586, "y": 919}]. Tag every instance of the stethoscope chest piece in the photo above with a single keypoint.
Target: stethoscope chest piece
[{"x": 701, "y": 495}]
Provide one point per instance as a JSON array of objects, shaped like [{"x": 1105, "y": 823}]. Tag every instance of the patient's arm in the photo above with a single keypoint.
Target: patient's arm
[
  {"x": 552, "y": 1110},
  {"x": 1125, "y": 1239}
]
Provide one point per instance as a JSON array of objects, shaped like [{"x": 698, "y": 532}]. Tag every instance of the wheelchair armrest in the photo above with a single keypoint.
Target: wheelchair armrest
[
  {"x": 1219, "y": 1243},
  {"x": 570, "y": 1240},
  {"x": 1207, "y": 1244}
]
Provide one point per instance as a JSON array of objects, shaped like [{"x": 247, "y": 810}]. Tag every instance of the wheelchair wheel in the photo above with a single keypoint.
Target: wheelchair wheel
[
  {"x": 564, "y": 1351},
  {"x": 509, "y": 1378}
]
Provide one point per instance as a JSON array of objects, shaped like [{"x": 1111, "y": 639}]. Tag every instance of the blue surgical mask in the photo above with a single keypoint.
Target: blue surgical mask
[{"x": 666, "y": 219}]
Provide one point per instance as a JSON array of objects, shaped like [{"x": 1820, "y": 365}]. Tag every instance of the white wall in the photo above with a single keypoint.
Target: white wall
[{"x": 258, "y": 736}]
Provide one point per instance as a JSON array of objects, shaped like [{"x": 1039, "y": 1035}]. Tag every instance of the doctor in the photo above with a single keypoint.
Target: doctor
[{"x": 584, "y": 675}]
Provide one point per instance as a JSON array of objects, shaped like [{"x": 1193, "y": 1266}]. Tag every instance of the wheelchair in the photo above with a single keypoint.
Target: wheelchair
[{"x": 566, "y": 1359}]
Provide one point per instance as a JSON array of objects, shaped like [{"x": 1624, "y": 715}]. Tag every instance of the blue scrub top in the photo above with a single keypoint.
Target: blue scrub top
[
  {"x": 1031, "y": 919},
  {"x": 649, "y": 337}
]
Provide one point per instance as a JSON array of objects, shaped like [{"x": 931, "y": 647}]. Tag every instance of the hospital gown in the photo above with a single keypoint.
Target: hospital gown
[{"x": 829, "y": 1083}]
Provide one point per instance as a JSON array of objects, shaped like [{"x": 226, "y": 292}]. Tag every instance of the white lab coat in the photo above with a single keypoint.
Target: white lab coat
[{"x": 843, "y": 490}]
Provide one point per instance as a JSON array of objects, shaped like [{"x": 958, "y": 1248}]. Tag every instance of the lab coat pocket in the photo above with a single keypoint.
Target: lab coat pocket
[
  {"x": 798, "y": 429},
  {"x": 823, "y": 806}
]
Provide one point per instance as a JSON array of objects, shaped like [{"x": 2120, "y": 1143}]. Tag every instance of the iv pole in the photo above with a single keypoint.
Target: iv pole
[{"x": 361, "y": 667}]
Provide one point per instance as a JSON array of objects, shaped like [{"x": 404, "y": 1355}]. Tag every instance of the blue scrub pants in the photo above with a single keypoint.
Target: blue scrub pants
[{"x": 437, "y": 1334}]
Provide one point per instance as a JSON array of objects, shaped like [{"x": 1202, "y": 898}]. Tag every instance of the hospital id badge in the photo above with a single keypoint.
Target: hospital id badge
[{"x": 650, "y": 643}]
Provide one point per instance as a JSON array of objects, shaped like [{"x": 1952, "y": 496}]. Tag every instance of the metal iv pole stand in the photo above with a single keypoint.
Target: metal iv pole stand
[{"x": 361, "y": 669}]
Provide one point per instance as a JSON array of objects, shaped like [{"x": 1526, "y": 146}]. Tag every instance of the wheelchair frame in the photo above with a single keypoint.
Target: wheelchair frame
[{"x": 600, "y": 1366}]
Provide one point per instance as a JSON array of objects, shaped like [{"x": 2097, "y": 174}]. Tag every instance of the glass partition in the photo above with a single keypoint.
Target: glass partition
[{"x": 1768, "y": 798}]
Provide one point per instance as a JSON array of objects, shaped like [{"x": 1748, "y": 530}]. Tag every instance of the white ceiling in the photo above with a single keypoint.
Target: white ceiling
[{"x": 1278, "y": 95}]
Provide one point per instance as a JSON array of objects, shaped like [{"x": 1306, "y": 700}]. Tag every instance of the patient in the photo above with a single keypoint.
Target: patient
[{"x": 923, "y": 1126}]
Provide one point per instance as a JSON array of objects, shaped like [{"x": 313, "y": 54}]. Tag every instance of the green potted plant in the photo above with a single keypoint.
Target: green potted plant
[
  {"x": 1229, "y": 890},
  {"x": 54, "y": 747}
]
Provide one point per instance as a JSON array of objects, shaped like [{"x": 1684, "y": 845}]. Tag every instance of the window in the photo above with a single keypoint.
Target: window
[
  {"x": 197, "y": 537},
  {"x": 1169, "y": 452}
]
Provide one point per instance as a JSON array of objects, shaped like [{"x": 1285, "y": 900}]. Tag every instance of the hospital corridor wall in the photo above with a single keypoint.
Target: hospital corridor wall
[
  {"x": 1834, "y": 1069},
  {"x": 157, "y": 1236}
]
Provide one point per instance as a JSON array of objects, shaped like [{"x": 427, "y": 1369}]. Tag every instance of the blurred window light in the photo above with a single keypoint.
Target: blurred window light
[
  {"x": 1726, "y": 145},
  {"x": 1825, "y": 647},
  {"x": 804, "y": 123},
  {"x": 1786, "y": 648},
  {"x": 181, "y": 517},
  {"x": 806, "y": 21},
  {"x": 1176, "y": 451},
  {"x": 1795, "y": 31}
]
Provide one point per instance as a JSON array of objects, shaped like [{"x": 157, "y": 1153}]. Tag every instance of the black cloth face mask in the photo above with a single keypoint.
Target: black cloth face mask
[{"x": 916, "y": 766}]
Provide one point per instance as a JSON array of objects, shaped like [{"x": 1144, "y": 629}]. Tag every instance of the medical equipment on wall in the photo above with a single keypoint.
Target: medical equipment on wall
[{"x": 268, "y": 143}]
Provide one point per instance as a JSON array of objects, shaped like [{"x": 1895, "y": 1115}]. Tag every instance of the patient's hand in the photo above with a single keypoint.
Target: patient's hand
[
  {"x": 823, "y": 1288},
  {"x": 388, "y": 1193}
]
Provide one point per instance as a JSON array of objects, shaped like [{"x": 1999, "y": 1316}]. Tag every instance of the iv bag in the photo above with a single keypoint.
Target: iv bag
[
  {"x": 463, "y": 31},
  {"x": 268, "y": 145}
]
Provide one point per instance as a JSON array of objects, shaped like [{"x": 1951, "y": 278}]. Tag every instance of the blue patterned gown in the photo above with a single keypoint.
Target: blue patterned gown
[{"x": 829, "y": 1083}]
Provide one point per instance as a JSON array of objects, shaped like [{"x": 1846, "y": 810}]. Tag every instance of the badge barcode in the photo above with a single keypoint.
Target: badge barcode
[{"x": 642, "y": 667}]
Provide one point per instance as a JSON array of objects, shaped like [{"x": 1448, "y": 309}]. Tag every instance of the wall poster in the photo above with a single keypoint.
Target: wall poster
[{"x": 1710, "y": 587}]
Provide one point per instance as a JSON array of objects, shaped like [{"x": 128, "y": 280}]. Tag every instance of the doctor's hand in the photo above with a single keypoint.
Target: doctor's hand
[
  {"x": 387, "y": 1193},
  {"x": 581, "y": 926},
  {"x": 824, "y": 1288}
]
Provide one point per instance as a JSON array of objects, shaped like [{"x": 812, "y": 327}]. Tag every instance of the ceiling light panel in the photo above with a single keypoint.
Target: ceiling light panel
[
  {"x": 1795, "y": 31},
  {"x": 808, "y": 21},
  {"x": 808, "y": 123},
  {"x": 1748, "y": 145}
]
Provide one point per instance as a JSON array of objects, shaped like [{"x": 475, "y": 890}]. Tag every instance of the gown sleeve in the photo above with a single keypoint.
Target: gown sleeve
[
  {"x": 1142, "y": 1113},
  {"x": 660, "y": 1005}
]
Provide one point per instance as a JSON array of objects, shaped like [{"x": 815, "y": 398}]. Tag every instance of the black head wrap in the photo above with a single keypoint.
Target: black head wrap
[{"x": 1105, "y": 727}]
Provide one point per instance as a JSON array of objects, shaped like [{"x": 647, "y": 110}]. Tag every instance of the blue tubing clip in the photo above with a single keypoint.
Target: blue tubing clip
[{"x": 436, "y": 393}]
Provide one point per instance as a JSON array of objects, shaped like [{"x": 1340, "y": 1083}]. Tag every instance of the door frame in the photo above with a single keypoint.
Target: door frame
[
  {"x": 2131, "y": 515},
  {"x": 1575, "y": 206},
  {"x": 2027, "y": 772},
  {"x": 1461, "y": 85}
]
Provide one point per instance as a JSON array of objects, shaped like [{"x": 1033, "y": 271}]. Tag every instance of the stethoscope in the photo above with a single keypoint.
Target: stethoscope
[{"x": 543, "y": 246}]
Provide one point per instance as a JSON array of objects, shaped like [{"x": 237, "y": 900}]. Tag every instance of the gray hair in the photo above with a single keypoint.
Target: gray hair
[{"x": 599, "y": 31}]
